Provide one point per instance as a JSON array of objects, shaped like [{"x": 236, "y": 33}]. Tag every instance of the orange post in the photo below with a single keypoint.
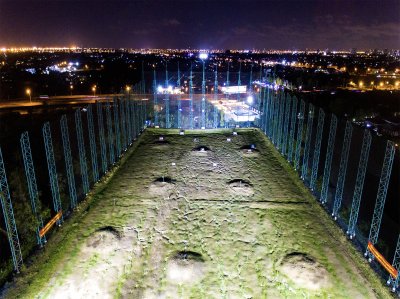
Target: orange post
[
  {"x": 379, "y": 257},
  {"x": 50, "y": 224}
]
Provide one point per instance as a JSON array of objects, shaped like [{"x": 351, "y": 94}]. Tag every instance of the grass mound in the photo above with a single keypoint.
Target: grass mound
[{"x": 305, "y": 271}]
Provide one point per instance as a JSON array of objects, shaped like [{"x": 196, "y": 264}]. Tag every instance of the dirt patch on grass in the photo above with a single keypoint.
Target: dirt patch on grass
[
  {"x": 305, "y": 271},
  {"x": 185, "y": 267},
  {"x": 241, "y": 187}
]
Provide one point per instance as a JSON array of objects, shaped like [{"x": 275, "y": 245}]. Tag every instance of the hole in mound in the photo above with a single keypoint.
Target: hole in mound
[
  {"x": 201, "y": 148},
  {"x": 185, "y": 267},
  {"x": 300, "y": 256},
  {"x": 239, "y": 183},
  {"x": 103, "y": 239},
  {"x": 110, "y": 229},
  {"x": 165, "y": 179},
  {"x": 161, "y": 142},
  {"x": 305, "y": 271},
  {"x": 241, "y": 187},
  {"x": 161, "y": 186},
  {"x": 249, "y": 148},
  {"x": 188, "y": 255}
]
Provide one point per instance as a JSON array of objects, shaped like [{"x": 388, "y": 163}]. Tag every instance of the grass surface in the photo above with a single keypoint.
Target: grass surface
[{"x": 230, "y": 224}]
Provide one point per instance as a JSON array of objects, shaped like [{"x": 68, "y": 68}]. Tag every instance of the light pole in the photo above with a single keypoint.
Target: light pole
[
  {"x": 203, "y": 57},
  {"x": 71, "y": 87},
  {"x": 29, "y": 93},
  {"x": 249, "y": 102},
  {"x": 94, "y": 90}
]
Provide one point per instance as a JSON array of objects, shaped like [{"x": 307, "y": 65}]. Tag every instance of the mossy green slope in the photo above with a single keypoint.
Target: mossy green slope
[{"x": 245, "y": 234}]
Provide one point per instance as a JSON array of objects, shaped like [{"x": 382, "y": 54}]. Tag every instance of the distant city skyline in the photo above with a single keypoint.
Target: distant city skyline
[{"x": 236, "y": 24}]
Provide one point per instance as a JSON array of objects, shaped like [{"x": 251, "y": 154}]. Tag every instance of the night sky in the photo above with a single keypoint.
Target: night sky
[{"x": 222, "y": 24}]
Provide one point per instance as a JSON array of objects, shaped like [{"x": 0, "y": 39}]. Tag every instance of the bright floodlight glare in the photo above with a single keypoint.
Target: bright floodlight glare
[
  {"x": 250, "y": 99},
  {"x": 160, "y": 89},
  {"x": 203, "y": 56}
]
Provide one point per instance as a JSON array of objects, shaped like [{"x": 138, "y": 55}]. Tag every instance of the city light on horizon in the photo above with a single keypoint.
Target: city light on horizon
[{"x": 289, "y": 26}]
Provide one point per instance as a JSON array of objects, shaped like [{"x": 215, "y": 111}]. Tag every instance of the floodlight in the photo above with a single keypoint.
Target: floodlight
[
  {"x": 203, "y": 56},
  {"x": 250, "y": 99}
]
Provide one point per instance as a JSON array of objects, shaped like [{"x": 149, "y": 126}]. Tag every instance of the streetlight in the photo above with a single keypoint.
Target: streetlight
[
  {"x": 94, "y": 90},
  {"x": 29, "y": 93},
  {"x": 203, "y": 56},
  {"x": 128, "y": 89},
  {"x": 71, "y": 87}
]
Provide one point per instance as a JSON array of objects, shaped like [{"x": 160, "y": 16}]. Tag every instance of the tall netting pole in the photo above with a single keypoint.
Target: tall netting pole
[
  {"x": 155, "y": 99},
  {"x": 68, "y": 161},
  {"x": 381, "y": 195},
  {"x": 167, "y": 120},
  {"x": 362, "y": 169},
  {"x": 239, "y": 80},
  {"x": 82, "y": 151},
  {"x": 110, "y": 134},
  {"x": 394, "y": 281},
  {"x": 51, "y": 166},
  {"x": 275, "y": 119},
  {"x": 8, "y": 214},
  {"x": 286, "y": 126},
  {"x": 342, "y": 170},
  {"x": 280, "y": 120},
  {"x": 117, "y": 128},
  {"x": 178, "y": 83},
  {"x": 299, "y": 139},
  {"x": 92, "y": 144},
  {"x": 216, "y": 96},
  {"x": 307, "y": 143},
  {"x": 203, "y": 98},
  {"x": 32, "y": 185},
  {"x": 328, "y": 159},
  {"x": 103, "y": 148},
  {"x": 191, "y": 98},
  {"x": 124, "y": 142},
  {"x": 317, "y": 149},
  {"x": 270, "y": 128},
  {"x": 292, "y": 129}
]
